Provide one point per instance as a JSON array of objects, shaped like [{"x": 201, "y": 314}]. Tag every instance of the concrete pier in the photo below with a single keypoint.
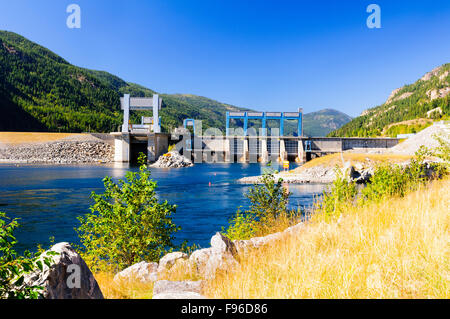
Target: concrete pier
[
  {"x": 127, "y": 146},
  {"x": 122, "y": 147}
]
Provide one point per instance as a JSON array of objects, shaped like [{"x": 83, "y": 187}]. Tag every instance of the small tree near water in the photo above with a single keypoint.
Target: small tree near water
[
  {"x": 268, "y": 201},
  {"x": 127, "y": 223}
]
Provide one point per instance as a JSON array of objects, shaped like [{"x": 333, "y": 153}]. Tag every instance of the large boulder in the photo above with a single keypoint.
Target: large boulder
[
  {"x": 169, "y": 260},
  {"x": 243, "y": 247},
  {"x": 144, "y": 272},
  {"x": 165, "y": 289},
  {"x": 198, "y": 260},
  {"x": 224, "y": 255},
  {"x": 68, "y": 276}
]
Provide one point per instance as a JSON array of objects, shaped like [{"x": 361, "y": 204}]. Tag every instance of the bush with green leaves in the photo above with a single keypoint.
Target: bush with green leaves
[
  {"x": 442, "y": 152},
  {"x": 387, "y": 180},
  {"x": 341, "y": 193},
  {"x": 127, "y": 224},
  {"x": 268, "y": 201},
  {"x": 14, "y": 267}
]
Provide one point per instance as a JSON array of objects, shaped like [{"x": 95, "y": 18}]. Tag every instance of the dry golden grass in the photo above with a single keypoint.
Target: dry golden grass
[
  {"x": 395, "y": 249},
  {"x": 363, "y": 158},
  {"x": 28, "y": 137},
  {"x": 123, "y": 289}
]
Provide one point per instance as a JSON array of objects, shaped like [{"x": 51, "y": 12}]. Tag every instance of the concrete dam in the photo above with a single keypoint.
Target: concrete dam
[
  {"x": 243, "y": 144},
  {"x": 244, "y": 149}
]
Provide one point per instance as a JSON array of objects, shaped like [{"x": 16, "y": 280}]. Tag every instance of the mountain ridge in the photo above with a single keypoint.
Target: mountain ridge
[
  {"x": 41, "y": 91},
  {"x": 427, "y": 98}
]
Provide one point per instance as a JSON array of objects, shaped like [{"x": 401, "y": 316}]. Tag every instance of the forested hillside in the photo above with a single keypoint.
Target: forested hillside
[
  {"x": 40, "y": 91},
  {"x": 407, "y": 110}
]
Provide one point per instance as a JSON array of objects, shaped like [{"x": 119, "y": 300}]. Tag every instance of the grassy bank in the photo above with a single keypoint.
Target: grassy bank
[
  {"x": 123, "y": 289},
  {"x": 396, "y": 248}
]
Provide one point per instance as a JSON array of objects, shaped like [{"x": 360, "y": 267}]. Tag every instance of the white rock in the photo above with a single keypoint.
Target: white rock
[
  {"x": 223, "y": 257},
  {"x": 167, "y": 286},
  {"x": 169, "y": 260},
  {"x": 179, "y": 295},
  {"x": 143, "y": 271},
  {"x": 199, "y": 258}
]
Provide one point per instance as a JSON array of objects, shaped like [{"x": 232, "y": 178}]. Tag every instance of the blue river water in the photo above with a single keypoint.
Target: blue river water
[{"x": 47, "y": 199}]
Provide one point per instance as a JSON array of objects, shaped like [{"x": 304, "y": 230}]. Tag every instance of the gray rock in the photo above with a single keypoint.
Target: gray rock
[
  {"x": 59, "y": 152},
  {"x": 222, "y": 244},
  {"x": 293, "y": 230},
  {"x": 60, "y": 280},
  {"x": 179, "y": 295},
  {"x": 224, "y": 256},
  {"x": 169, "y": 260},
  {"x": 143, "y": 271},
  {"x": 198, "y": 259},
  {"x": 167, "y": 286}
]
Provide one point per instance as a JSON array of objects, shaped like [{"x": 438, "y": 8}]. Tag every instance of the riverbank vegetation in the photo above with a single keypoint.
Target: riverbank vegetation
[
  {"x": 396, "y": 248},
  {"x": 267, "y": 212},
  {"x": 388, "y": 240},
  {"x": 127, "y": 223}
]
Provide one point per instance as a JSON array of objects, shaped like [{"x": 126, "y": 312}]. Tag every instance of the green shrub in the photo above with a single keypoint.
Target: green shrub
[
  {"x": 268, "y": 201},
  {"x": 387, "y": 180},
  {"x": 338, "y": 196},
  {"x": 127, "y": 223},
  {"x": 242, "y": 226},
  {"x": 14, "y": 267}
]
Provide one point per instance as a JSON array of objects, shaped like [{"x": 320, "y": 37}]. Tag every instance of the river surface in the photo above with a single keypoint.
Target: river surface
[{"x": 48, "y": 198}]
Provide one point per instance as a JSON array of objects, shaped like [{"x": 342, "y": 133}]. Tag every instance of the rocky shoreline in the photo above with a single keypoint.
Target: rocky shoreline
[
  {"x": 59, "y": 152},
  {"x": 203, "y": 264},
  {"x": 317, "y": 175}
]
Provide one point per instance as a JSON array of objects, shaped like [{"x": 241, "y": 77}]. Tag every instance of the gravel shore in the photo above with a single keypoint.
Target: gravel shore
[{"x": 77, "y": 149}]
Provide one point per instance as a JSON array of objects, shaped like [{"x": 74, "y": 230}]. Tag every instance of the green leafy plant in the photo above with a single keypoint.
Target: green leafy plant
[
  {"x": 387, "y": 180},
  {"x": 127, "y": 223},
  {"x": 341, "y": 193},
  {"x": 242, "y": 226},
  {"x": 14, "y": 267},
  {"x": 268, "y": 201}
]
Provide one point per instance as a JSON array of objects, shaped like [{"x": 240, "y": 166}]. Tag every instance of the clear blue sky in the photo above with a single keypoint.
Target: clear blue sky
[{"x": 266, "y": 55}]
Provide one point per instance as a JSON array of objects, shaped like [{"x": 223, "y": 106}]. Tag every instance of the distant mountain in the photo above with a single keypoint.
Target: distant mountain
[
  {"x": 322, "y": 122},
  {"x": 40, "y": 91},
  {"x": 407, "y": 109}
]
